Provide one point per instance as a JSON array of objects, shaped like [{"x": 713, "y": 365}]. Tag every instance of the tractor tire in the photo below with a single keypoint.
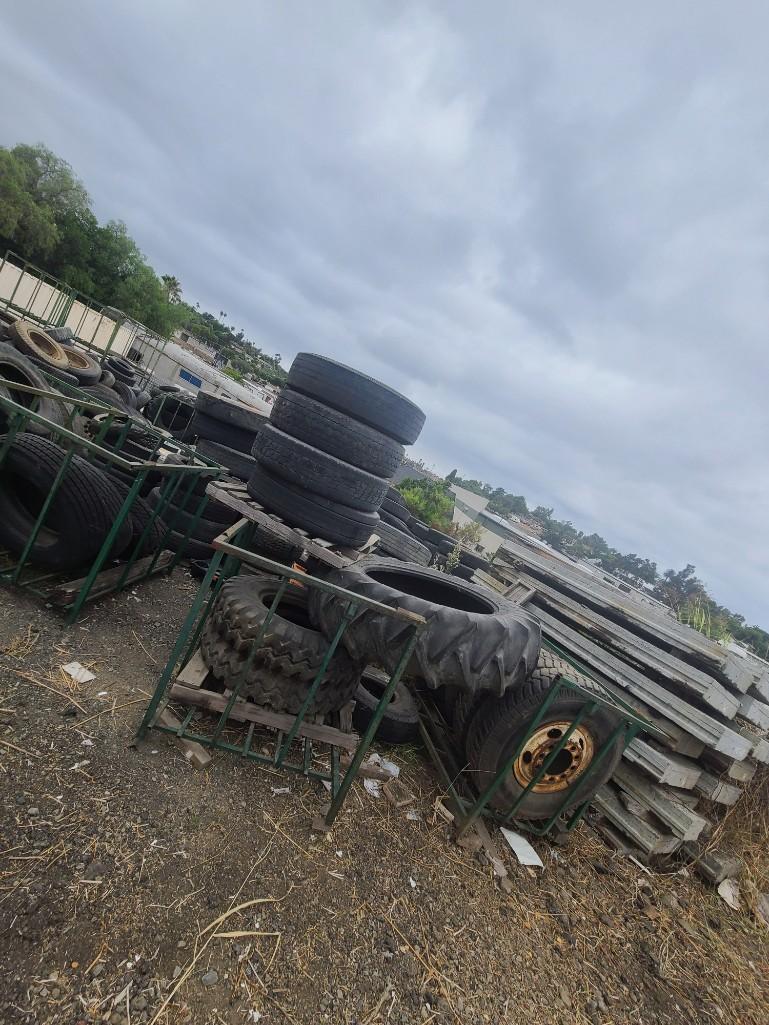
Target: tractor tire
[
  {"x": 317, "y": 471},
  {"x": 498, "y": 726},
  {"x": 336, "y": 433},
  {"x": 359, "y": 396},
  {"x": 289, "y": 656},
  {"x": 320, "y": 517},
  {"x": 474, "y": 638}
]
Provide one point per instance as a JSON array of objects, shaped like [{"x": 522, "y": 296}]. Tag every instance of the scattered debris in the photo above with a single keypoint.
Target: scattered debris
[
  {"x": 521, "y": 848},
  {"x": 729, "y": 891},
  {"x": 78, "y": 672}
]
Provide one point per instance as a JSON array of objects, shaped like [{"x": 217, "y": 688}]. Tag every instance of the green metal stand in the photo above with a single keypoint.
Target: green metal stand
[
  {"x": 467, "y": 803},
  {"x": 230, "y": 555}
]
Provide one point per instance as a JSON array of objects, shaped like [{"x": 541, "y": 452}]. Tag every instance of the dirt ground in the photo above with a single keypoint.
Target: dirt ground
[{"x": 134, "y": 888}]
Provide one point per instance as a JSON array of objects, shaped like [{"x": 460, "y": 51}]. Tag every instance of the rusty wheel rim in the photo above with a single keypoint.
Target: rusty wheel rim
[
  {"x": 75, "y": 359},
  {"x": 569, "y": 763},
  {"x": 43, "y": 342}
]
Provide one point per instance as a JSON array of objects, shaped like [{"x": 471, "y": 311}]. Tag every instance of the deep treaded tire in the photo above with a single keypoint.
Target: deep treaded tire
[
  {"x": 320, "y": 517},
  {"x": 474, "y": 639},
  {"x": 318, "y": 471},
  {"x": 400, "y": 722},
  {"x": 498, "y": 726},
  {"x": 83, "y": 510},
  {"x": 400, "y": 545},
  {"x": 359, "y": 396},
  {"x": 289, "y": 656},
  {"x": 337, "y": 433}
]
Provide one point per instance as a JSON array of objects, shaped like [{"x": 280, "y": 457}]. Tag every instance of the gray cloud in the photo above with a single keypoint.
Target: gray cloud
[{"x": 550, "y": 230}]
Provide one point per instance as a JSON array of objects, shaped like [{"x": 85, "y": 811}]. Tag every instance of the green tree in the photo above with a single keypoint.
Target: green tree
[
  {"x": 24, "y": 224},
  {"x": 173, "y": 288},
  {"x": 429, "y": 501}
]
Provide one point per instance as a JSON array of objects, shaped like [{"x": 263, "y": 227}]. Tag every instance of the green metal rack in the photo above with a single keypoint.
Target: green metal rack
[
  {"x": 177, "y": 486},
  {"x": 467, "y": 803},
  {"x": 287, "y": 732}
]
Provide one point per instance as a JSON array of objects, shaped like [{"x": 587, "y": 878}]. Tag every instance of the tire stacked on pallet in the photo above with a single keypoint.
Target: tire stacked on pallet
[
  {"x": 226, "y": 432},
  {"x": 334, "y": 440},
  {"x": 396, "y": 538}
]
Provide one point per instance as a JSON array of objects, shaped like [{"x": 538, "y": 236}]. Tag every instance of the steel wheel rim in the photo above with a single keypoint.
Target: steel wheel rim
[{"x": 569, "y": 764}]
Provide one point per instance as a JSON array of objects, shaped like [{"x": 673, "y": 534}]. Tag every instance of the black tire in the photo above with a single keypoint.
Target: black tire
[
  {"x": 190, "y": 548},
  {"x": 35, "y": 343},
  {"x": 180, "y": 519},
  {"x": 400, "y": 722},
  {"x": 83, "y": 510},
  {"x": 17, "y": 369},
  {"x": 275, "y": 548},
  {"x": 445, "y": 547},
  {"x": 121, "y": 369},
  {"x": 289, "y": 656},
  {"x": 107, "y": 378},
  {"x": 205, "y": 427},
  {"x": 463, "y": 572},
  {"x": 394, "y": 521},
  {"x": 142, "y": 397},
  {"x": 142, "y": 515},
  {"x": 101, "y": 393},
  {"x": 239, "y": 464},
  {"x": 165, "y": 389},
  {"x": 474, "y": 638},
  {"x": 400, "y": 545},
  {"x": 359, "y": 396},
  {"x": 395, "y": 509},
  {"x": 125, "y": 393},
  {"x": 171, "y": 412},
  {"x": 51, "y": 371},
  {"x": 59, "y": 334},
  {"x": 82, "y": 367},
  {"x": 319, "y": 472},
  {"x": 467, "y": 558},
  {"x": 498, "y": 726},
  {"x": 337, "y": 433},
  {"x": 320, "y": 517},
  {"x": 420, "y": 530},
  {"x": 435, "y": 537},
  {"x": 226, "y": 411},
  {"x": 463, "y": 708}
]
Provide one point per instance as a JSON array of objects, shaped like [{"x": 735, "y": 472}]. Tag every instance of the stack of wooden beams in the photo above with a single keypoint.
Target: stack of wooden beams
[{"x": 710, "y": 703}]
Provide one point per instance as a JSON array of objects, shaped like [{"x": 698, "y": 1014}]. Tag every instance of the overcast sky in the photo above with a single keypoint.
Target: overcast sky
[{"x": 547, "y": 223}]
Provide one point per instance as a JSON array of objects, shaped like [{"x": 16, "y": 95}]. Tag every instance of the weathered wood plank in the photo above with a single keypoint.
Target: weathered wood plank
[
  {"x": 636, "y": 616},
  {"x": 682, "y": 822},
  {"x": 65, "y": 594},
  {"x": 713, "y": 865},
  {"x": 701, "y": 726},
  {"x": 642, "y": 833},
  {"x": 740, "y": 772},
  {"x": 246, "y": 711},
  {"x": 717, "y": 789},
  {"x": 196, "y": 754},
  {"x": 755, "y": 711},
  {"x": 194, "y": 673},
  {"x": 677, "y": 675},
  {"x": 661, "y": 765}
]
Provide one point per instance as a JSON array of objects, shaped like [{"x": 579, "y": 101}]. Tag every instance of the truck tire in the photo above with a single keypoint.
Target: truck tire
[
  {"x": 238, "y": 463},
  {"x": 125, "y": 393},
  {"x": 463, "y": 572},
  {"x": 50, "y": 371},
  {"x": 107, "y": 378},
  {"x": 337, "y": 433},
  {"x": 320, "y": 517},
  {"x": 498, "y": 726},
  {"x": 203, "y": 426},
  {"x": 359, "y": 396},
  {"x": 81, "y": 366},
  {"x": 289, "y": 655},
  {"x": 228, "y": 412},
  {"x": 101, "y": 393},
  {"x": 17, "y": 368},
  {"x": 468, "y": 558},
  {"x": 400, "y": 545},
  {"x": 319, "y": 472},
  {"x": 32, "y": 341},
  {"x": 80, "y": 516},
  {"x": 190, "y": 549},
  {"x": 395, "y": 509},
  {"x": 474, "y": 638},
  {"x": 400, "y": 722},
  {"x": 121, "y": 369},
  {"x": 180, "y": 520}
]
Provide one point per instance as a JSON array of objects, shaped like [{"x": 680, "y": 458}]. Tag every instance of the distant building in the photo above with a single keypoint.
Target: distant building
[
  {"x": 194, "y": 345},
  {"x": 472, "y": 508}
]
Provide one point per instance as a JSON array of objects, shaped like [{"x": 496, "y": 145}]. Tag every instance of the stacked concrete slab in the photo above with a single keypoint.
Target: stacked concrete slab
[{"x": 709, "y": 704}]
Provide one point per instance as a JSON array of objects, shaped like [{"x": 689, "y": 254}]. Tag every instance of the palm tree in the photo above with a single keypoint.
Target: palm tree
[{"x": 173, "y": 287}]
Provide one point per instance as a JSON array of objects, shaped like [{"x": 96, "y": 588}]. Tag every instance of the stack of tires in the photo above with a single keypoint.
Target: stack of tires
[
  {"x": 484, "y": 653},
  {"x": 334, "y": 439},
  {"x": 120, "y": 375},
  {"x": 171, "y": 409},
  {"x": 226, "y": 432},
  {"x": 45, "y": 352},
  {"x": 396, "y": 534}
]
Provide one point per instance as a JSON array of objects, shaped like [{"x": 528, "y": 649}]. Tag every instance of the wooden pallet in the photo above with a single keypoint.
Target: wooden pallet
[{"x": 235, "y": 496}]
